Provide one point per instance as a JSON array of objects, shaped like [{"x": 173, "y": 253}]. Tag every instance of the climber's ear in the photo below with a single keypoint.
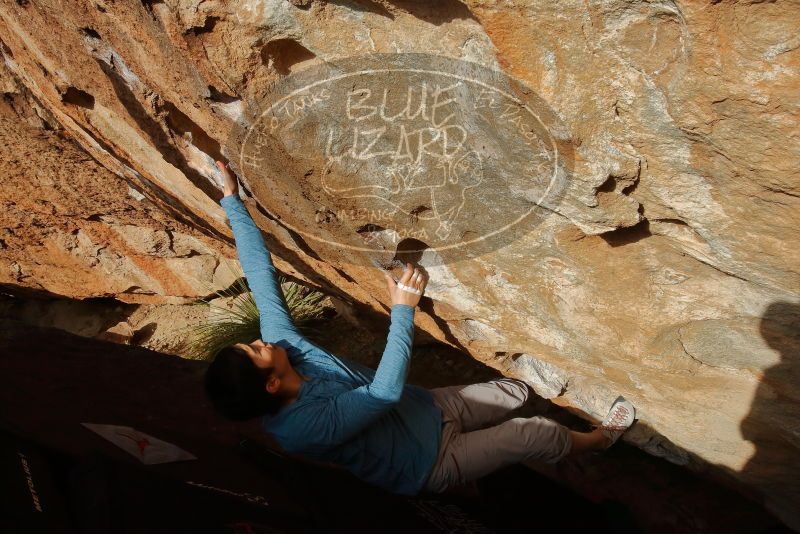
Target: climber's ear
[{"x": 273, "y": 384}]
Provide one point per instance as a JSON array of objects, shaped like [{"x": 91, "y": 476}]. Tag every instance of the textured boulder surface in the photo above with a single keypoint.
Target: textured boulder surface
[{"x": 668, "y": 272}]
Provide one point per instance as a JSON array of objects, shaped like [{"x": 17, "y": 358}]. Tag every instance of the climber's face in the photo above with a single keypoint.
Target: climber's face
[{"x": 268, "y": 355}]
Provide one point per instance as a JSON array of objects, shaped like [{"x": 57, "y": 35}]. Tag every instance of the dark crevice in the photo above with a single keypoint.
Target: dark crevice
[
  {"x": 624, "y": 184},
  {"x": 191, "y": 254},
  {"x": 779, "y": 190},
  {"x": 678, "y": 222},
  {"x": 207, "y": 27},
  {"x": 733, "y": 275},
  {"x": 234, "y": 289},
  {"x": 437, "y": 13},
  {"x": 612, "y": 183},
  {"x": 143, "y": 334},
  {"x": 609, "y": 186},
  {"x": 131, "y": 289},
  {"x": 626, "y": 236},
  {"x": 297, "y": 238},
  {"x": 148, "y": 5},
  {"x": 6, "y": 50},
  {"x": 107, "y": 302},
  {"x": 345, "y": 275},
  {"x": 282, "y": 54},
  {"x": 219, "y": 96},
  {"x": 628, "y": 189},
  {"x": 419, "y": 209},
  {"x": 366, "y": 6},
  {"x": 77, "y": 97},
  {"x": 171, "y": 237},
  {"x": 158, "y": 137},
  {"x": 370, "y": 228},
  {"x": 426, "y": 305},
  {"x": 410, "y": 250},
  {"x": 303, "y": 245},
  {"x": 302, "y": 4},
  {"x": 90, "y": 32},
  {"x": 182, "y": 125}
]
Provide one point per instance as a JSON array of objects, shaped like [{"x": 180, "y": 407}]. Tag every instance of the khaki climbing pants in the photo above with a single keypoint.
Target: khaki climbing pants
[{"x": 471, "y": 447}]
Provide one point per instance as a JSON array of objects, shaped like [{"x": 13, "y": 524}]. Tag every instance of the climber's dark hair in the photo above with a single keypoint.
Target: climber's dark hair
[{"x": 235, "y": 386}]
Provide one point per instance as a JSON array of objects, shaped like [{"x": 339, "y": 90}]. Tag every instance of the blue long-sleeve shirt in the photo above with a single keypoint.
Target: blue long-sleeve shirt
[{"x": 370, "y": 422}]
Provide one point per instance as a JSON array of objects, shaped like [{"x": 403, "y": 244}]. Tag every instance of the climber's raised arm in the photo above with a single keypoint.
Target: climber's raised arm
[
  {"x": 262, "y": 277},
  {"x": 390, "y": 377},
  {"x": 340, "y": 418}
]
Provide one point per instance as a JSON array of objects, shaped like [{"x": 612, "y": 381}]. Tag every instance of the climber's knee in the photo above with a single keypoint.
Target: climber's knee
[{"x": 547, "y": 441}]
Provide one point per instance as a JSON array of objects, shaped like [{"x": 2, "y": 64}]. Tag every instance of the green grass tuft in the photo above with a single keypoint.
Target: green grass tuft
[{"x": 239, "y": 320}]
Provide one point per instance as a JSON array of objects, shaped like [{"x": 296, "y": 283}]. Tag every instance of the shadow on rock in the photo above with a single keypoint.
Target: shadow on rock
[{"x": 773, "y": 424}]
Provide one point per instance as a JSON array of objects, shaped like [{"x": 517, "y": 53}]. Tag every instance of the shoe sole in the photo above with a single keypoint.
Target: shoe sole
[{"x": 616, "y": 401}]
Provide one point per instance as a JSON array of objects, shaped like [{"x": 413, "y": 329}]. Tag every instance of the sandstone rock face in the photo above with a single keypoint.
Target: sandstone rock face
[
  {"x": 668, "y": 272},
  {"x": 71, "y": 227}
]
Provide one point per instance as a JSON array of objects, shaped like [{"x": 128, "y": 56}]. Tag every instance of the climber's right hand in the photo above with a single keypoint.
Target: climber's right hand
[
  {"x": 412, "y": 277},
  {"x": 230, "y": 186}
]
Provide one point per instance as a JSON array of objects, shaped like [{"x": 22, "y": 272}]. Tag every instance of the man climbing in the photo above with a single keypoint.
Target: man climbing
[{"x": 403, "y": 438}]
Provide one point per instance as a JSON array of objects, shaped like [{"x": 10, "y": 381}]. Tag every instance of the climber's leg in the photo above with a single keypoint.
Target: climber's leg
[
  {"x": 588, "y": 441},
  {"x": 471, "y": 455},
  {"x": 477, "y": 406}
]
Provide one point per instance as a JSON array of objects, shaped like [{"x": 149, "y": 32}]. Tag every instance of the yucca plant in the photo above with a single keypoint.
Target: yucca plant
[{"x": 237, "y": 320}]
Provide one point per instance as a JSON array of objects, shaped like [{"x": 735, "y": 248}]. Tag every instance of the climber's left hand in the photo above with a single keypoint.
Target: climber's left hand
[{"x": 230, "y": 185}]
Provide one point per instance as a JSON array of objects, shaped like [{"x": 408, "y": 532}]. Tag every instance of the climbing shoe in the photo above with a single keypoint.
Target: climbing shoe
[{"x": 620, "y": 417}]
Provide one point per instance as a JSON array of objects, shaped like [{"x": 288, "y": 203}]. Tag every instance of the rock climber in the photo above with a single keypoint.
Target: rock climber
[{"x": 403, "y": 438}]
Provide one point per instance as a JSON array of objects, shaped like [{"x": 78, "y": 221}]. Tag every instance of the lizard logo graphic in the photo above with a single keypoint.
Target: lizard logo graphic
[{"x": 388, "y": 148}]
